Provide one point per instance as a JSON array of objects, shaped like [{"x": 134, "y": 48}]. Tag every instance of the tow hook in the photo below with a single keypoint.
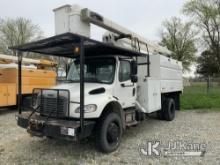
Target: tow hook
[{"x": 35, "y": 128}]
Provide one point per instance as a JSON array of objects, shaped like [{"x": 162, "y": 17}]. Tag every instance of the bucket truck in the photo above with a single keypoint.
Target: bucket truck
[
  {"x": 36, "y": 74},
  {"x": 111, "y": 85}
]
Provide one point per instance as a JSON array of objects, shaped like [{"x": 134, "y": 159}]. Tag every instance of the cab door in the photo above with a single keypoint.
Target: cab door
[{"x": 125, "y": 90}]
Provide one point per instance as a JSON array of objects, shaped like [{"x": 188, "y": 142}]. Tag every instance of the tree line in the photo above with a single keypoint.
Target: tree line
[
  {"x": 19, "y": 31},
  {"x": 199, "y": 35},
  {"x": 186, "y": 39}
]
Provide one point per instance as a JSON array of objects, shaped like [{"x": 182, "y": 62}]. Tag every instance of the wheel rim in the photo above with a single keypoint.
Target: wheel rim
[{"x": 113, "y": 133}]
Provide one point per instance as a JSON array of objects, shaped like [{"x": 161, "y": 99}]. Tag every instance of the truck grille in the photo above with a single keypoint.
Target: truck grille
[
  {"x": 53, "y": 103},
  {"x": 54, "y": 107}
]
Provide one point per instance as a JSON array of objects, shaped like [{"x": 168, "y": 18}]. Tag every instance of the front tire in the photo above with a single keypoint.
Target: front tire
[{"x": 109, "y": 132}]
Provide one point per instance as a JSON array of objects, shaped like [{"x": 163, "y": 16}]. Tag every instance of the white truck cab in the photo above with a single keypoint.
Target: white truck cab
[
  {"x": 110, "y": 86},
  {"x": 107, "y": 79}
]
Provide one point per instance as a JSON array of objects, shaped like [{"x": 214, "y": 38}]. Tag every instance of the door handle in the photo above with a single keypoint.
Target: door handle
[
  {"x": 133, "y": 92},
  {"x": 124, "y": 85}
]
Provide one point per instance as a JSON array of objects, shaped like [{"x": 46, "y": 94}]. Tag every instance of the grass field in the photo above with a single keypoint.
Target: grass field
[{"x": 196, "y": 97}]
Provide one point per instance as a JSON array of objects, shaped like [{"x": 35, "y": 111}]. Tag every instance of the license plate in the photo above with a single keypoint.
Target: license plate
[
  {"x": 71, "y": 132},
  {"x": 67, "y": 131}
]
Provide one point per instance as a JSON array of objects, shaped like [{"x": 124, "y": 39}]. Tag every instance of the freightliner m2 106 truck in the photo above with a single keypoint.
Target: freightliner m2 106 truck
[{"x": 111, "y": 85}]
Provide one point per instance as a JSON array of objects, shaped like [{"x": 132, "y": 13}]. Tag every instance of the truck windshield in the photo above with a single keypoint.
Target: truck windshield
[{"x": 99, "y": 70}]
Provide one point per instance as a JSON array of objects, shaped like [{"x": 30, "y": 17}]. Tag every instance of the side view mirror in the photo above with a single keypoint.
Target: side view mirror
[
  {"x": 134, "y": 68},
  {"x": 134, "y": 78},
  {"x": 134, "y": 71}
]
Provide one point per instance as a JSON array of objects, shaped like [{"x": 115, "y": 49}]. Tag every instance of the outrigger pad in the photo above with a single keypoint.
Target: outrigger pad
[{"x": 64, "y": 45}]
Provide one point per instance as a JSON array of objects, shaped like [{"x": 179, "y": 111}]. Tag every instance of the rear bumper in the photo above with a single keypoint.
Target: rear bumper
[{"x": 56, "y": 128}]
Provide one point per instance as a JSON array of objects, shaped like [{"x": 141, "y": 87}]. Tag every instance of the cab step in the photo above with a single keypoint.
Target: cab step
[{"x": 130, "y": 118}]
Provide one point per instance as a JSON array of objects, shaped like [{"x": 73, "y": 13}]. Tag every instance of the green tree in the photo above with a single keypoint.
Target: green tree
[
  {"x": 180, "y": 39},
  {"x": 206, "y": 16},
  {"x": 207, "y": 65},
  {"x": 16, "y": 32}
]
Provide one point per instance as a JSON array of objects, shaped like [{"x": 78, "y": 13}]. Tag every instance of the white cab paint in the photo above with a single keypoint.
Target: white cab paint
[{"x": 100, "y": 100}]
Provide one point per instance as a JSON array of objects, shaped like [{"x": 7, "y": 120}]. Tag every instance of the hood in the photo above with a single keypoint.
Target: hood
[{"x": 74, "y": 88}]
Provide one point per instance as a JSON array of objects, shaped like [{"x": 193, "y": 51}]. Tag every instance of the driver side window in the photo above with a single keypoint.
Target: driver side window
[{"x": 124, "y": 71}]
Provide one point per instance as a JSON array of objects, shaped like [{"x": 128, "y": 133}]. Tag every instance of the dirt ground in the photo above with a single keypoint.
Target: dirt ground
[{"x": 17, "y": 147}]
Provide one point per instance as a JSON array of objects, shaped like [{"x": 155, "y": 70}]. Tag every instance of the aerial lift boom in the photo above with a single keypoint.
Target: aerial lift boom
[
  {"x": 8, "y": 59},
  {"x": 78, "y": 20},
  {"x": 109, "y": 88}
]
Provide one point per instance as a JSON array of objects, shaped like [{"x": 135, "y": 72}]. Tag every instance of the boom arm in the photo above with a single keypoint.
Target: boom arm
[
  {"x": 77, "y": 20},
  {"x": 6, "y": 59},
  {"x": 95, "y": 18}
]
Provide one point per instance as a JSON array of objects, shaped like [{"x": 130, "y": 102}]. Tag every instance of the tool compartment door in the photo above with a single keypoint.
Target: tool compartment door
[
  {"x": 3, "y": 94},
  {"x": 36, "y": 78},
  {"x": 149, "y": 95},
  {"x": 11, "y": 100}
]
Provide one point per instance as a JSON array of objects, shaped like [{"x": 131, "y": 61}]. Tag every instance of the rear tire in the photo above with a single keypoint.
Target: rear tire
[
  {"x": 109, "y": 132},
  {"x": 168, "y": 110}
]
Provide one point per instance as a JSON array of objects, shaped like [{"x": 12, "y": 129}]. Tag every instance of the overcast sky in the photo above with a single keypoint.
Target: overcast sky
[{"x": 142, "y": 16}]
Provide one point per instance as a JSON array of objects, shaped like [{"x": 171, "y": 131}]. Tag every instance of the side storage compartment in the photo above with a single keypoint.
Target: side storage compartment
[
  {"x": 33, "y": 78},
  {"x": 149, "y": 96},
  {"x": 12, "y": 94},
  {"x": 7, "y": 94},
  {"x": 3, "y": 95}
]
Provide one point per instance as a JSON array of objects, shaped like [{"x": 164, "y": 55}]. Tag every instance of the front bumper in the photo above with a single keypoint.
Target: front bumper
[{"x": 57, "y": 128}]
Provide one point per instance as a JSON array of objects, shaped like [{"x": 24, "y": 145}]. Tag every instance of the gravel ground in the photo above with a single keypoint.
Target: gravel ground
[{"x": 17, "y": 147}]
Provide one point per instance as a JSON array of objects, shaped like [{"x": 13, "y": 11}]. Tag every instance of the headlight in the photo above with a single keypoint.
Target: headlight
[
  {"x": 87, "y": 108},
  {"x": 35, "y": 100}
]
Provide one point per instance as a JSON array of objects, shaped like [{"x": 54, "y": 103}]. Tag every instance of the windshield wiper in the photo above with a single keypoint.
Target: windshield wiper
[
  {"x": 68, "y": 81},
  {"x": 102, "y": 82},
  {"x": 88, "y": 81}
]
